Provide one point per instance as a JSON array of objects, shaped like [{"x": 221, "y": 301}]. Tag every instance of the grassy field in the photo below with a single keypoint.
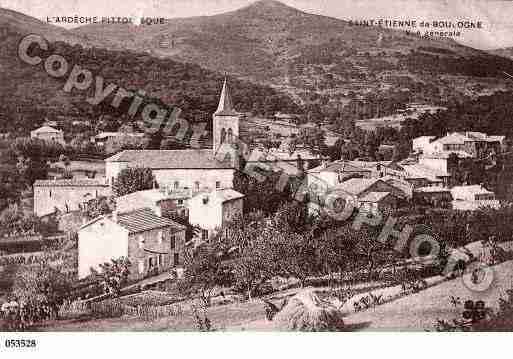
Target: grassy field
[
  {"x": 418, "y": 312},
  {"x": 223, "y": 317}
]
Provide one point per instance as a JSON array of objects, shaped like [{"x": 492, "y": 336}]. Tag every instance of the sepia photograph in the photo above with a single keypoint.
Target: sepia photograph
[{"x": 255, "y": 166}]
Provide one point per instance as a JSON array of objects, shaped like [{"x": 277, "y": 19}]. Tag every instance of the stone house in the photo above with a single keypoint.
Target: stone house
[
  {"x": 152, "y": 244},
  {"x": 66, "y": 195}
]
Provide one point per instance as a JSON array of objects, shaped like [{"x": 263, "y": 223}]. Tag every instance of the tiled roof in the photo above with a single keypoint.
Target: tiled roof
[
  {"x": 168, "y": 159},
  {"x": 70, "y": 183},
  {"x": 374, "y": 196},
  {"x": 453, "y": 138},
  {"x": 339, "y": 166},
  {"x": 356, "y": 186},
  {"x": 416, "y": 171},
  {"x": 144, "y": 219}
]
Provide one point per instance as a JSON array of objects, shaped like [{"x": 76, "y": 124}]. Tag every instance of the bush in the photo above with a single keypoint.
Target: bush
[{"x": 307, "y": 312}]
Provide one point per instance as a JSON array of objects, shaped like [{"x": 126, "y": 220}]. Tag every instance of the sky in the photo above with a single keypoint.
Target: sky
[{"x": 496, "y": 16}]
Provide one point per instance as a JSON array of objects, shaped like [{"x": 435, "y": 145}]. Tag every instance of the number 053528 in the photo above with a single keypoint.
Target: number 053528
[{"x": 20, "y": 343}]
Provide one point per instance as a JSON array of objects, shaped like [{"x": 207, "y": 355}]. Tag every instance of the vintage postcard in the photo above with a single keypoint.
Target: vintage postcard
[{"x": 255, "y": 166}]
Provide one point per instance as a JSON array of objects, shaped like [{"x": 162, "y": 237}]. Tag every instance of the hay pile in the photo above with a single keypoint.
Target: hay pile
[{"x": 307, "y": 312}]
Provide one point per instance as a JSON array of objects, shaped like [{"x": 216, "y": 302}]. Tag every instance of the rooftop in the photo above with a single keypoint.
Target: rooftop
[
  {"x": 432, "y": 189},
  {"x": 225, "y": 107},
  {"x": 158, "y": 194},
  {"x": 114, "y": 134},
  {"x": 168, "y": 159},
  {"x": 471, "y": 189},
  {"x": 46, "y": 129},
  {"x": 374, "y": 196},
  {"x": 356, "y": 186},
  {"x": 338, "y": 166},
  {"x": 222, "y": 195},
  {"x": 416, "y": 171},
  {"x": 144, "y": 219},
  {"x": 446, "y": 154},
  {"x": 70, "y": 183}
]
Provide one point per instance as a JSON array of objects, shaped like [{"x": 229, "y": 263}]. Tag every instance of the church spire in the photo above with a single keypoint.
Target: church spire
[{"x": 225, "y": 107}]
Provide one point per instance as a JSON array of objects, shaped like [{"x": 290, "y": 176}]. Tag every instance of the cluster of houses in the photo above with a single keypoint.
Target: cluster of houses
[
  {"x": 195, "y": 187},
  {"x": 424, "y": 178}
]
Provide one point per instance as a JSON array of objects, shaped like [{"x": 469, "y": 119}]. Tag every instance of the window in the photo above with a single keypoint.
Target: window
[
  {"x": 176, "y": 259},
  {"x": 173, "y": 242},
  {"x": 141, "y": 266},
  {"x": 180, "y": 202},
  {"x": 196, "y": 185},
  {"x": 177, "y": 184},
  {"x": 159, "y": 236},
  {"x": 50, "y": 193},
  {"x": 218, "y": 184},
  {"x": 204, "y": 234},
  {"x": 159, "y": 260},
  {"x": 140, "y": 240},
  {"x": 223, "y": 135},
  {"x": 151, "y": 263}
]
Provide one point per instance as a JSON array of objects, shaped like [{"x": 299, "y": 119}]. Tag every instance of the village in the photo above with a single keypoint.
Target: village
[{"x": 141, "y": 222}]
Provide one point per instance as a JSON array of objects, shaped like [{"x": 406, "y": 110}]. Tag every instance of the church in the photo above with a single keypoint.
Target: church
[{"x": 196, "y": 169}]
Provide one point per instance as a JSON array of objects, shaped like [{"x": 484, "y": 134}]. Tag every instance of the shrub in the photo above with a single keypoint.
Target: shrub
[{"x": 307, "y": 312}]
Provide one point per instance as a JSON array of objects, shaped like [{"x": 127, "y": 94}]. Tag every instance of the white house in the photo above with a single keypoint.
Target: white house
[
  {"x": 211, "y": 210},
  {"x": 472, "y": 197},
  {"x": 472, "y": 144},
  {"x": 47, "y": 133}
]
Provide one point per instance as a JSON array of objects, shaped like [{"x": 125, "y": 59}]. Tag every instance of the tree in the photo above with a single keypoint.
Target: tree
[
  {"x": 253, "y": 242},
  {"x": 299, "y": 255},
  {"x": 114, "y": 275},
  {"x": 39, "y": 290},
  {"x": 98, "y": 206},
  {"x": 131, "y": 180},
  {"x": 203, "y": 272}
]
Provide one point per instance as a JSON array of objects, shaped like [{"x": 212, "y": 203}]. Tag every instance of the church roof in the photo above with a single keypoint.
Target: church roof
[
  {"x": 171, "y": 159},
  {"x": 225, "y": 107}
]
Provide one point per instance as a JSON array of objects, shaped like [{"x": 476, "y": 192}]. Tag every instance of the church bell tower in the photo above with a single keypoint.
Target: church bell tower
[{"x": 225, "y": 120}]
